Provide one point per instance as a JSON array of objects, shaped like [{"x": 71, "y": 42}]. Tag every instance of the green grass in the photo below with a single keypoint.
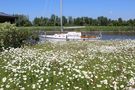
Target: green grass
[
  {"x": 44, "y": 28},
  {"x": 111, "y": 28},
  {"x": 87, "y": 28},
  {"x": 92, "y": 65}
]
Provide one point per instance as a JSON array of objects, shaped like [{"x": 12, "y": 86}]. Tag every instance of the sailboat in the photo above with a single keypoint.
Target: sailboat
[{"x": 69, "y": 36}]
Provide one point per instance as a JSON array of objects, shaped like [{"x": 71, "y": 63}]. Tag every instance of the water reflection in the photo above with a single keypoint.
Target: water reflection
[{"x": 118, "y": 35}]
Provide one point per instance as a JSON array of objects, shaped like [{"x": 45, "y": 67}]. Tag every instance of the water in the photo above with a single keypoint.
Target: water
[
  {"x": 118, "y": 35},
  {"x": 106, "y": 35}
]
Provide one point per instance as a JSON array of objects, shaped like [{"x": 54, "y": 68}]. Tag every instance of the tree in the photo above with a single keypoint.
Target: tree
[
  {"x": 90, "y": 21},
  {"x": 120, "y": 21},
  {"x": 70, "y": 21},
  {"x": 64, "y": 19},
  {"x": 102, "y": 21},
  {"x": 52, "y": 20},
  {"x": 36, "y": 21},
  {"x": 130, "y": 22},
  {"x": 40, "y": 21},
  {"x": 86, "y": 21},
  {"x": 22, "y": 20},
  {"x": 79, "y": 21},
  {"x": 115, "y": 23}
]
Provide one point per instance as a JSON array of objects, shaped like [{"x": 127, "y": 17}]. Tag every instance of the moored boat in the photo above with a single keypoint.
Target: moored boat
[{"x": 71, "y": 36}]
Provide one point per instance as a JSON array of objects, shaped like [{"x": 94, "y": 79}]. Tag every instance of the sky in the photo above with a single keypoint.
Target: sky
[{"x": 76, "y": 8}]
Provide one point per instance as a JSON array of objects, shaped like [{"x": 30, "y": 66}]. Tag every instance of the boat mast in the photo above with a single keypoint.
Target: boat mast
[{"x": 61, "y": 14}]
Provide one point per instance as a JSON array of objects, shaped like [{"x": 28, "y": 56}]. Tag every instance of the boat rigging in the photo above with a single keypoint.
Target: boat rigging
[{"x": 78, "y": 36}]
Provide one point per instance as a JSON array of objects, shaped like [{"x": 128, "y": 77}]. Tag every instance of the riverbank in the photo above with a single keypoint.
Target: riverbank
[{"x": 82, "y": 28}]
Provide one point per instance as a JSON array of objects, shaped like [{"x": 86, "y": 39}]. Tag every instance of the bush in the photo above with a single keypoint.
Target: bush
[{"x": 10, "y": 36}]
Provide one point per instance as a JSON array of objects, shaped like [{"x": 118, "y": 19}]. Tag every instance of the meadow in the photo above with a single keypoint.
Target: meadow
[{"x": 92, "y": 65}]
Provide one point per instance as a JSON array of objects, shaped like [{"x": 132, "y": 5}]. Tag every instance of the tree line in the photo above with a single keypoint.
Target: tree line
[{"x": 23, "y": 20}]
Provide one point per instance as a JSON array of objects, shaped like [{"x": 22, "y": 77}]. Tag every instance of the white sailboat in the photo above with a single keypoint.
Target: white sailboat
[{"x": 69, "y": 35}]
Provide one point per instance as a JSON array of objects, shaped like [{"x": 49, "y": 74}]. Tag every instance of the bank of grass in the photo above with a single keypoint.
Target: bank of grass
[
  {"x": 92, "y": 65},
  {"x": 110, "y": 28},
  {"x": 38, "y": 28},
  {"x": 87, "y": 28}
]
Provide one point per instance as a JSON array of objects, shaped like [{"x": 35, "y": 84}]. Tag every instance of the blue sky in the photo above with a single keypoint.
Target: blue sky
[{"x": 92, "y": 8}]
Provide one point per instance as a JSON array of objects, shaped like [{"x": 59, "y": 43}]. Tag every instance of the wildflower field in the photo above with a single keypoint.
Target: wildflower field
[{"x": 92, "y": 65}]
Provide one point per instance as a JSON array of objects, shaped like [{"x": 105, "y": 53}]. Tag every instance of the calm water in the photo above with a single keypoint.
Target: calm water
[
  {"x": 106, "y": 35},
  {"x": 118, "y": 35}
]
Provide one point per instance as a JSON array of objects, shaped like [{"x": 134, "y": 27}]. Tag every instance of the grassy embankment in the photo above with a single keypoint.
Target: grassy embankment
[
  {"x": 87, "y": 28},
  {"x": 95, "y": 65}
]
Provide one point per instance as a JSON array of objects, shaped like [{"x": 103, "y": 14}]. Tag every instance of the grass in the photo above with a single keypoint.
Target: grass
[
  {"x": 44, "y": 28},
  {"x": 92, "y": 65},
  {"x": 111, "y": 28},
  {"x": 87, "y": 28}
]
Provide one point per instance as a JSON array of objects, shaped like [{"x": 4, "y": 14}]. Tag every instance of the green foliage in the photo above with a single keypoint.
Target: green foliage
[
  {"x": 10, "y": 36},
  {"x": 7, "y": 27},
  {"x": 22, "y": 20},
  {"x": 103, "y": 21},
  {"x": 39, "y": 21},
  {"x": 54, "y": 20},
  {"x": 44, "y": 21}
]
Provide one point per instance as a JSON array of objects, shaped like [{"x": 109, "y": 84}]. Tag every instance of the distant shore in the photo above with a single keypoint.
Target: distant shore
[{"x": 80, "y": 28}]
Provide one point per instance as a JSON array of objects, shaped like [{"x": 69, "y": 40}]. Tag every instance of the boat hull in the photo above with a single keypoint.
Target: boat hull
[{"x": 51, "y": 38}]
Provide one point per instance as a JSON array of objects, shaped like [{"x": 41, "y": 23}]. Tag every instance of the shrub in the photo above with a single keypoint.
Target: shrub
[{"x": 10, "y": 36}]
